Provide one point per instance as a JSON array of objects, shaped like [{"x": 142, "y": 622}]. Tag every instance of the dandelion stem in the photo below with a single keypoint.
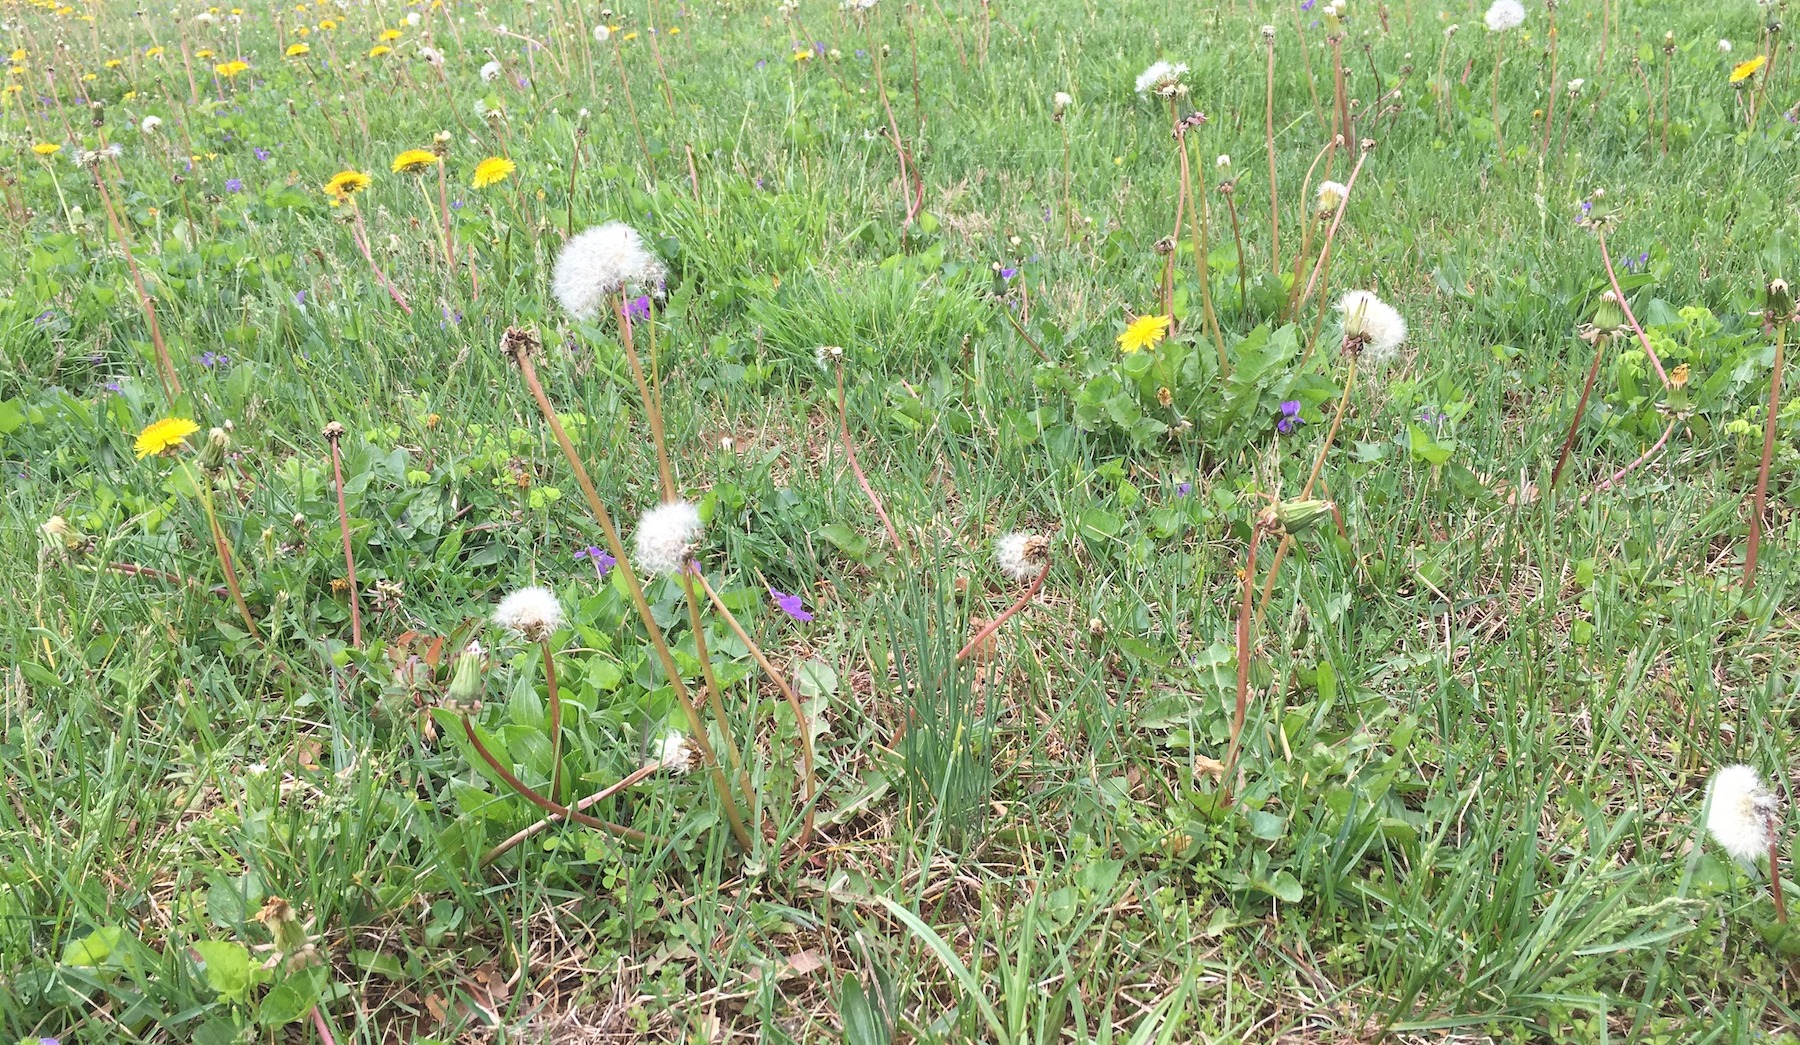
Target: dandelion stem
[
  {"x": 1198, "y": 224},
  {"x": 556, "y": 733},
  {"x": 594, "y": 799},
  {"x": 1241, "y": 710},
  {"x": 801, "y": 723},
  {"x": 1625, "y": 304},
  {"x": 856, "y": 467},
  {"x": 1580, "y": 412},
  {"x": 203, "y": 483},
  {"x": 1269, "y": 141},
  {"x": 525, "y": 791},
  {"x": 1550, "y": 107},
  {"x": 1775, "y": 877},
  {"x": 166, "y": 366},
  {"x": 1336, "y": 218},
  {"x": 1645, "y": 456},
  {"x": 1037, "y": 584},
  {"x": 715, "y": 698},
  {"x": 635, "y": 591},
  {"x": 360, "y": 234},
  {"x": 1760, "y": 500},
  {"x": 1068, "y": 215},
  {"x": 1312, "y": 479},
  {"x": 652, "y": 402},
  {"x": 333, "y": 434}
]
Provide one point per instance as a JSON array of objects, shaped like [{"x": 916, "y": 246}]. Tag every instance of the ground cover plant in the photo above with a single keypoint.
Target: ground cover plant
[{"x": 1020, "y": 522}]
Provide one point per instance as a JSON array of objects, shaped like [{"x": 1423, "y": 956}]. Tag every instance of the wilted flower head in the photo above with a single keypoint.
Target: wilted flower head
[
  {"x": 666, "y": 536},
  {"x": 828, "y": 356},
  {"x": 672, "y": 752},
  {"x": 1503, "y": 15},
  {"x": 532, "y": 613},
  {"x": 1373, "y": 330},
  {"x": 1022, "y": 556},
  {"x": 1329, "y": 197},
  {"x": 1163, "y": 79},
  {"x": 490, "y": 72},
  {"x": 1740, "y": 812},
  {"x": 599, "y": 263}
]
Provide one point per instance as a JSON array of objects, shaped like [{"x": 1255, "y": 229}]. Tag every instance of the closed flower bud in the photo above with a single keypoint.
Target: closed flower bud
[
  {"x": 1608, "y": 317},
  {"x": 212, "y": 455},
  {"x": 1297, "y": 517},
  {"x": 466, "y": 684},
  {"x": 1781, "y": 301}
]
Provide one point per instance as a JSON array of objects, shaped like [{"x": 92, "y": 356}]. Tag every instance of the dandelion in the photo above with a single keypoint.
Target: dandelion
[
  {"x": 1163, "y": 79},
  {"x": 1724, "y": 46},
  {"x": 46, "y": 148},
  {"x": 159, "y": 437},
  {"x": 491, "y": 171},
  {"x": 388, "y": 36},
  {"x": 380, "y": 49},
  {"x": 1504, "y": 15},
  {"x": 230, "y": 69},
  {"x": 1330, "y": 197},
  {"x": 601, "y": 33},
  {"x": 150, "y": 124},
  {"x": 666, "y": 536},
  {"x": 432, "y": 55},
  {"x": 1745, "y": 70},
  {"x": 600, "y": 262},
  {"x": 673, "y": 753},
  {"x": 1576, "y": 85},
  {"x": 413, "y": 161},
  {"x": 490, "y": 72},
  {"x": 1740, "y": 813},
  {"x": 1060, "y": 102},
  {"x": 345, "y": 184},
  {"x": 1144, "y": 332},
  {"x": 412, "y": 19},
  {"x": 1022, "y": 557},
  {"x": 533, "y": 613},
  {"x": 1373, "y": 329},
  {"x": 297, "y": 50}
]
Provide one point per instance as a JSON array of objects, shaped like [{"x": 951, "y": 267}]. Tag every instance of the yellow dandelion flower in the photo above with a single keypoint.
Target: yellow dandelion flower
[
  {"x": 128, "y": 96},
  {"x": 327, "y": 24},
  {"x": 675, "y": 31},
  {"x": 46, "y": 148},
  {"x": 1745, "y": 70},
  {"x": 19, "y": 54},
  {"x": 1144, "y": 332},
  {"x": 154, "y": 52},
  {"x": 345, "y": 184},
  {"x": 160, "y": 437},
  {"x": 296, "y": 50},
  {"x": 88, "y": 77},
  {"x": 231, "y": 68},
  {"x": 412, "y": 161},
  {"x": 491, "y": 171},
  {"x": 803, "y": 55},
  {"x": 114, "y": 63},
  {"x": 380, "y": 49},
  {"x": 630, "y": 36},
  {"x": 388, "y": 36},
  {"x": 16, "y": 70},
  {"x": 204, "y": 52},
  {"x": 302, "y": 31},
  {"x": 11, "y": 88}
]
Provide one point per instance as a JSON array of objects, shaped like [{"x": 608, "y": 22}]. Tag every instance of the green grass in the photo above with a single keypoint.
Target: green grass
[{"x": 1481, "y": 717}]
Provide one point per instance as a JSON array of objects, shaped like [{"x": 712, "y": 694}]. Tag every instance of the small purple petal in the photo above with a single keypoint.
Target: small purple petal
[{"x": 790, "y": 605}]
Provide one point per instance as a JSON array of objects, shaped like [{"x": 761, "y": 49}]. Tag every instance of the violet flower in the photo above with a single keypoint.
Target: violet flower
[
  {"x": 639, "y": 308},
  {"x": 790, "y": 605},
  {"x": 1290, "y": 417},
  {"x": 602, "y": 560}
]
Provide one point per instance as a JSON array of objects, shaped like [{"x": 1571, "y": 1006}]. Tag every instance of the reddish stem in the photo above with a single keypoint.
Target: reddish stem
[
  {"x": 1037, "y": 584},
  {"x": 337, "y": 471}
]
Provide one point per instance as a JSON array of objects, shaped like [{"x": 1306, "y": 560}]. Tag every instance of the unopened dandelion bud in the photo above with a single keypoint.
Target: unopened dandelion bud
[
  {"x": 1297, "y": 517},
  {"x": 212, "y": 455},
  {"x": 466, "y": 684},
  {"x": 1781, "y": 301},
  {"x": 1608, "y": 317}
]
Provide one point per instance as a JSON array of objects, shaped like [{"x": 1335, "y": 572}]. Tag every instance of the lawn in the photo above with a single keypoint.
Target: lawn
[{"x": 893, "y": 521}]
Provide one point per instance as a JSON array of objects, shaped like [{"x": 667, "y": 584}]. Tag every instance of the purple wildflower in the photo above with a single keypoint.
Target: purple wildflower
[
  {"x": 1008, "y": 273},
  {"x": 601, "y": 559},
  {"x": 639, "y": 309},
  {"x": 790, "y": 605},
  {"x": 234, "y": 185},
  {"x": 114, "y": 388},
  {"x": 262, "y": 154},
  {"x": 210, "y": 359},
  {"x": 1307, "y": 5},
  {"x": 299, "y": 297},
  {"x": 1290, "y": 417},
  {"x": 44, "y": 317},
  {"x": 762, "y": 63},
  {"x": 1183, "y": 489}
]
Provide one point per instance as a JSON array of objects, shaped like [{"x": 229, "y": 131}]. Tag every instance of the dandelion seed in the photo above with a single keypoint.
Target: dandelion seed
[
  {"x": 601, "y": 33},
  {"x": 1724, "y": 46},
  {"x": 1740, "y": 813},
  {"x": 1060, "y": 102},
  {"x": 1022, "y": 557},
  {"x": 1504, "y": 15},
  {"x": 432, "y": 55},
  {"x": 667, "y": 536},
  {"x": 1144, "y": 332},
  {"x": 161, "y": 436},
  {"x": 532, "y": 613},
  {"x": 600, "y": 262},
  {"x": 1373, "y": 329}
]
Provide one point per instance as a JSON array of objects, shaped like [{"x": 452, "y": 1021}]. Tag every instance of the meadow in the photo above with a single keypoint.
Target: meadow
[{"x": 945, "y": 521}]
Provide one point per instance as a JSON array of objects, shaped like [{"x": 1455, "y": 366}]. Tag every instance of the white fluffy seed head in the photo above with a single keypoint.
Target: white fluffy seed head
[
  {"x": 532, "y": 613},
  {"x": 1724, "y": 46},
  {"x": 1022, "y": 556},
  {"x": 1373, "y": 326},
  {"x": 1503, "y": 15},
  {"x": 672, "y": 752},
  {"x": 432, "y": 55},
  {"x": 667, "y": 536},
  {"x": 601, "y": 34},
  {"x": 412, "y": 19},
  {"x": 490, "y": 72},
  {"x": 599, "y": 263},
  {"x": 150, "y": 124},
  {"x": 1329, "y": 197},
  {"x": 1061, "y": 100},
  {"x": 1740, "y": 813},
  {"x": 1162, "y": 78}
]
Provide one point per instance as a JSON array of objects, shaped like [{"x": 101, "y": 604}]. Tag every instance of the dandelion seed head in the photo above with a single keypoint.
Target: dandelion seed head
[
  {"x": 1504, "y": 15},
  {"x": 673, "y": 753},
  {"x": 150, "y": 125},
  {"x": 1372, "y": 328},
  {"x": 1740, "y": 812},
  {"x": 666, "y": 537},
  {"x": 490, "y": 72},
  {"x": 1022, "y": 556},
  {"x": 599, "y": 263},
  {"x": 532, "y": 613},
  {"x": 1163, "y": 79},
  {"x": 1330, "y": 196}
]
